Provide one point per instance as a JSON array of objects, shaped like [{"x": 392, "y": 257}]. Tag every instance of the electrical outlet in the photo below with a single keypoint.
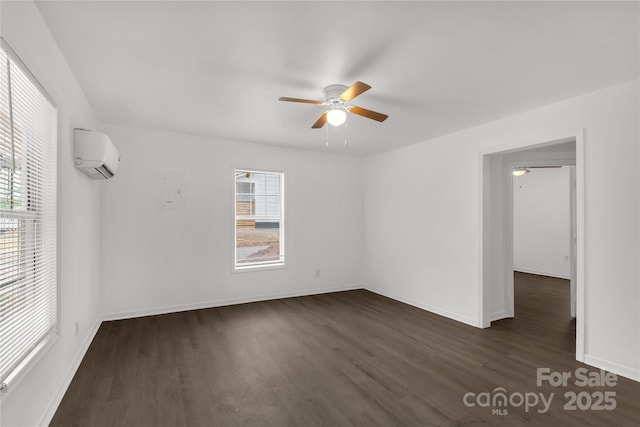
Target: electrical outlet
[
  {"x": 318, "y": 273},
  {"x": 77, "y": 328}
]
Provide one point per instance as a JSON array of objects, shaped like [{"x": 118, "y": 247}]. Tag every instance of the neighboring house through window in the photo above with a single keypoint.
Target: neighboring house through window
[{"x": 259, "y": 219}]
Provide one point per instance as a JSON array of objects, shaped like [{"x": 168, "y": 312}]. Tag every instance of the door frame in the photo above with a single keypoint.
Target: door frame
[{"x": 506, "y": 258}]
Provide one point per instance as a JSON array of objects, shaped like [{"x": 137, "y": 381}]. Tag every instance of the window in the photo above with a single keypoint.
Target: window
[
  {"x": 259, "y": 219},
  {"x": 28, "y": 217}
]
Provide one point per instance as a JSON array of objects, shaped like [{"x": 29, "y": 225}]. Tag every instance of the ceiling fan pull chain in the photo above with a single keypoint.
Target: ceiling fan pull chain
[
  {"x": 326, "y": 136},
  {"x": 345, "y": 132}
]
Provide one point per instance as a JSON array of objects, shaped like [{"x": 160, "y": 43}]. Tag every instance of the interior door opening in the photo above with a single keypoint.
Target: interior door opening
[
  {"x": 543, "y": 209},
  {"x": 565, "y": 155}
]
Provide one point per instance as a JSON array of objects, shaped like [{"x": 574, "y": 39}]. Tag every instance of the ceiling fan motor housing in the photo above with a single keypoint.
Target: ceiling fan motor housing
[{"x": 332, "y": 95}]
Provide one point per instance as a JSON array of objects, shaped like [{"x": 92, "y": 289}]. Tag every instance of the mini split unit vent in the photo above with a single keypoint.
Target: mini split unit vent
[{"x": 95, "y": 154}]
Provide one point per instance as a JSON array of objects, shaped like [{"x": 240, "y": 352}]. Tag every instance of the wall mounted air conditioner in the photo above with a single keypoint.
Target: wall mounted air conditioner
[{"x": 95, "y": 154}]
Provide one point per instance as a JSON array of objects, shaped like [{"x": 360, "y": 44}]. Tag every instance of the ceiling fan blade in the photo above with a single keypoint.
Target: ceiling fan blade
[
  {"x": 368, "y": 114},
  {"x": 304, "y": 101},
  {"x": 356, "y": 89},
  {"x": 320, "y": 122}
]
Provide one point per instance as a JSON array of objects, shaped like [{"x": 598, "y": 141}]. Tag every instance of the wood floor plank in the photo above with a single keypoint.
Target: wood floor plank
[{"x": 351, "y": 358}]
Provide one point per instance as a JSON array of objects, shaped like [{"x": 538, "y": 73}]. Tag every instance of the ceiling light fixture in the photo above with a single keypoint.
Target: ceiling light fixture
[
  {"x": 336, "y": 117},
  {"x": 519, "y": 171}
]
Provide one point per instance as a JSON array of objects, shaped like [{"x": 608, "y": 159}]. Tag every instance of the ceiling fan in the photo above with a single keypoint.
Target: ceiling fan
[
  {"x": 337, "y": 97},
  {"x": 521, "y": 170}
]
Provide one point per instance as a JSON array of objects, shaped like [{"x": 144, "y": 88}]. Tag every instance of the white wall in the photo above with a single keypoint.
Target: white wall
[
  {"x": 497, "y": 272},
  {"x": 157, "y": 260},
  {"x": 37, "y": 393},
  {"x": 422, "y": 217},
  {"x": 541, "y": 222}
]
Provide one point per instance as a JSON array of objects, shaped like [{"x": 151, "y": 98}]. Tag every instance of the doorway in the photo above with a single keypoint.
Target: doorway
[
  {"x": 544, "y": 223},
  {"x": 496, "y": 296}
]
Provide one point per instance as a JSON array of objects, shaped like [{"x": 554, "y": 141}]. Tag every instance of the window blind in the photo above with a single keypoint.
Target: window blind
[{"x": 28, "y": 216}]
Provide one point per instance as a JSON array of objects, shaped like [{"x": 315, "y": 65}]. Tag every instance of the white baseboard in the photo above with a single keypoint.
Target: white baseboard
[
  {"x": 500, "y": 315},
  {"x": 540, "y": 272},
  {"x": 616, "y": 368},
  {"x": 57, "y": 398},
  {"x": 436, "y": 310},
  {"x": 222, "y": 302}
]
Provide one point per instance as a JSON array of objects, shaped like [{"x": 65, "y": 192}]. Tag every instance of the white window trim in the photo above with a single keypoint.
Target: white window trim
[
  {"x": 48, "y": 341},
  {"x": 284, "y": 229}
]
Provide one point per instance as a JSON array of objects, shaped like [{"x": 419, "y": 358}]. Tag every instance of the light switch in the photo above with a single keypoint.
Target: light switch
[{"x": 172, "y": 195}]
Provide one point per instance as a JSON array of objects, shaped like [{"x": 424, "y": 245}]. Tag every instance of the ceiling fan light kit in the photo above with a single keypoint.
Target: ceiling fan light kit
[
  {"x": 519, "y": 171},
  {"x": 337, "y": 114},
  {"x": 337, "y": 98},
  {"x": 336, "y": 117}
]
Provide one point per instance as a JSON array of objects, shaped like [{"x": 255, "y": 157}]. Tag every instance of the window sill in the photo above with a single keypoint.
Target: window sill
[
  {"x": 258, "y": 267},
  {"x": 22, "y": 370}
]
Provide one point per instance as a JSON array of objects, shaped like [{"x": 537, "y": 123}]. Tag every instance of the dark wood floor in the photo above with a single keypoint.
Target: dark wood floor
[{"x": 347, "y": 358}]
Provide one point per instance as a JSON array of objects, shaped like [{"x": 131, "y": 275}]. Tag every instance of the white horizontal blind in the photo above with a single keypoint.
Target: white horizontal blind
[
  {"x": 259, "y": 218},
  {"x": 28, "y": 216}
]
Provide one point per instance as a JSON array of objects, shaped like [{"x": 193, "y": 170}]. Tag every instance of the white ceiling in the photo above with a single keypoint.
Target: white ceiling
[{"x": 218, "y": 68}]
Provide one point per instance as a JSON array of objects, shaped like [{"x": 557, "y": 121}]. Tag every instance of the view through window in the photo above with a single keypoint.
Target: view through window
[{"x": 259, "y": 219}]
